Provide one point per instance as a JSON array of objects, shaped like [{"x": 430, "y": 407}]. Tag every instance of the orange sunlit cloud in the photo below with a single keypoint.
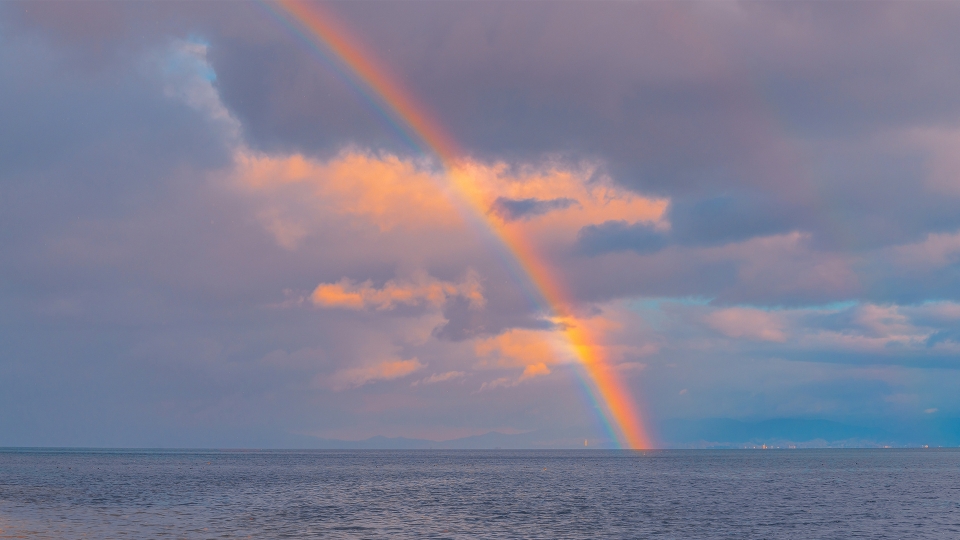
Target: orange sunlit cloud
[
  {"x": 569, "y": 197},
  {"x": 391, "y": 193},
  {"x": 520, "y": 347},
  {"x": 385, "y": 190},
  {"x": 425, "y": 290},
  {"x": 534, "y": 370},
  {"x": 428, "y": 211}
]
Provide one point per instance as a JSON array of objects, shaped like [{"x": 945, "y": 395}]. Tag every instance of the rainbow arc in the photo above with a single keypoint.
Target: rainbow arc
[{"x": 318, "y": 25}]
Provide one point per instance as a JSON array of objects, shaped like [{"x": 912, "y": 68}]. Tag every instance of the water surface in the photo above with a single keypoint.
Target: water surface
[{"x": 480, "y": 494}]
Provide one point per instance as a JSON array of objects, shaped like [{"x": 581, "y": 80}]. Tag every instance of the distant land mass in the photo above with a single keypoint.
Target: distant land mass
[
  {"x": 806, "y": 433},
  {"x": 685, "y": 433},
  {"x": 492, "y": 440}
]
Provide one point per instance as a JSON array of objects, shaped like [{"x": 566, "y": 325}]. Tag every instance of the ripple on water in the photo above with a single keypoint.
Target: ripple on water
[{"x": 481, "y": 494}]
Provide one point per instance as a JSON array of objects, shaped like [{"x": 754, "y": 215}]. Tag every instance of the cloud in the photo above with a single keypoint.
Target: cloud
[
  {"x": 938, "y": 145},
  {"x": 513, "y": 209},
  {"x": 529, "y": 372},
  {"x": 755, "y": 203},
  {"x": 383, "y": 191},
  {"x": 188, "y": 77},
  {"x": 501, "y": 382},
  {"x": 619, "y": 236},
  {"x": 729, "y": 217},
  {"x": 424, "y": 290},
  {"x": 359, "y": 376},
  {"x": 747, "y": 323},
  {"x": 288, "y": 233},
  {"x": 534, "y": 370},
  {"x": 935, "y": 251},
  {"x": 849, "y": 332},
  {"x": 533, "y": 350},
  {"x": 741, "y": 146},
  {"x": 441, "y": 377},
  {"x": 548, "y": 201},
  {"x": 765, "y": 271},
  {"x": 523, "y": 347}
]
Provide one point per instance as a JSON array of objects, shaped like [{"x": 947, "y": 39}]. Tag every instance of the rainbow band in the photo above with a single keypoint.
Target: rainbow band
[{"x": 619, "y": 405}]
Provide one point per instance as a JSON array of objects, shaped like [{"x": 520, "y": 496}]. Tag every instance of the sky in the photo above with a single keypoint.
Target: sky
[{"x": 215, "y": 233}]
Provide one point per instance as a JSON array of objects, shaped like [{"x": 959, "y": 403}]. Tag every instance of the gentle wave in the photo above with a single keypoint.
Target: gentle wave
[{"x": 480, "y": 494}]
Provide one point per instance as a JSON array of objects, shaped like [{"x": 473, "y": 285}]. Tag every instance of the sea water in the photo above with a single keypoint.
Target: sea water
[{"x": 68, "y": 494}]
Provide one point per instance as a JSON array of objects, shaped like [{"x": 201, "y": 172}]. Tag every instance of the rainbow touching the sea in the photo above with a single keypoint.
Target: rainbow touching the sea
[{"x": 620, "y": 407}]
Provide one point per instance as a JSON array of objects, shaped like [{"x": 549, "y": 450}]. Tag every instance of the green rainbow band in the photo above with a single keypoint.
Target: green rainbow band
[{"x": 618, "y": 404}]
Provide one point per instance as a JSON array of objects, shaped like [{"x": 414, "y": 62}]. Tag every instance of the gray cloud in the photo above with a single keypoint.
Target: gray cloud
[
  {"x": 620, "y": 236},
  {"x": 804, "y": 149},
  {"x": 513, "y": 209},
  {"x": 726, "y": 218}
]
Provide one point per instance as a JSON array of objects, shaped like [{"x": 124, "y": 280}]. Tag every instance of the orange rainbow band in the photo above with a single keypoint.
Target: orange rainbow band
[{"x": 617, "y": 400}]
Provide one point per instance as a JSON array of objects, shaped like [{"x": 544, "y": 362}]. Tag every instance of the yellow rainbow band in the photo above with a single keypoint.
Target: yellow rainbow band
[{"x": 621, "y": 409}]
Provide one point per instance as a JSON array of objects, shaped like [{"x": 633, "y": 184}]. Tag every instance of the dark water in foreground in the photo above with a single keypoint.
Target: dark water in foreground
[{"x": 481, "y": 494}]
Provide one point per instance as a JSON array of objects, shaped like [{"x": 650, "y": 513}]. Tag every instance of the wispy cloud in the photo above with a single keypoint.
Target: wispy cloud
[
  {"x": 748, "y": 323},
  {"x": 359, "y": 376},
  {"x": 423, "y": 290},
  {"x": 440, "y": 377}
]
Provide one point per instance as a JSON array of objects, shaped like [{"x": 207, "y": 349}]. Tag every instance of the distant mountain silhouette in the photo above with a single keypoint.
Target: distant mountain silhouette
[
  {"x": 726, "y": 432},
  {"x": 491, "y": 440},
  {"x": 690, "y": 433}
]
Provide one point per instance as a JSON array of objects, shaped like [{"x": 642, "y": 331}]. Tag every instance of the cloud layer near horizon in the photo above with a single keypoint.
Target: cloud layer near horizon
[{"x": 211, "y": 239}]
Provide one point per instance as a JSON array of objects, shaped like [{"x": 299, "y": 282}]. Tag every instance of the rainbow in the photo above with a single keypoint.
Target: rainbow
[{"x": 320, "y": 26}]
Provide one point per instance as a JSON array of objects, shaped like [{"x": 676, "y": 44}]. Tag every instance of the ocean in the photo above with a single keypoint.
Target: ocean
[{"x": 821, "y": 494}]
